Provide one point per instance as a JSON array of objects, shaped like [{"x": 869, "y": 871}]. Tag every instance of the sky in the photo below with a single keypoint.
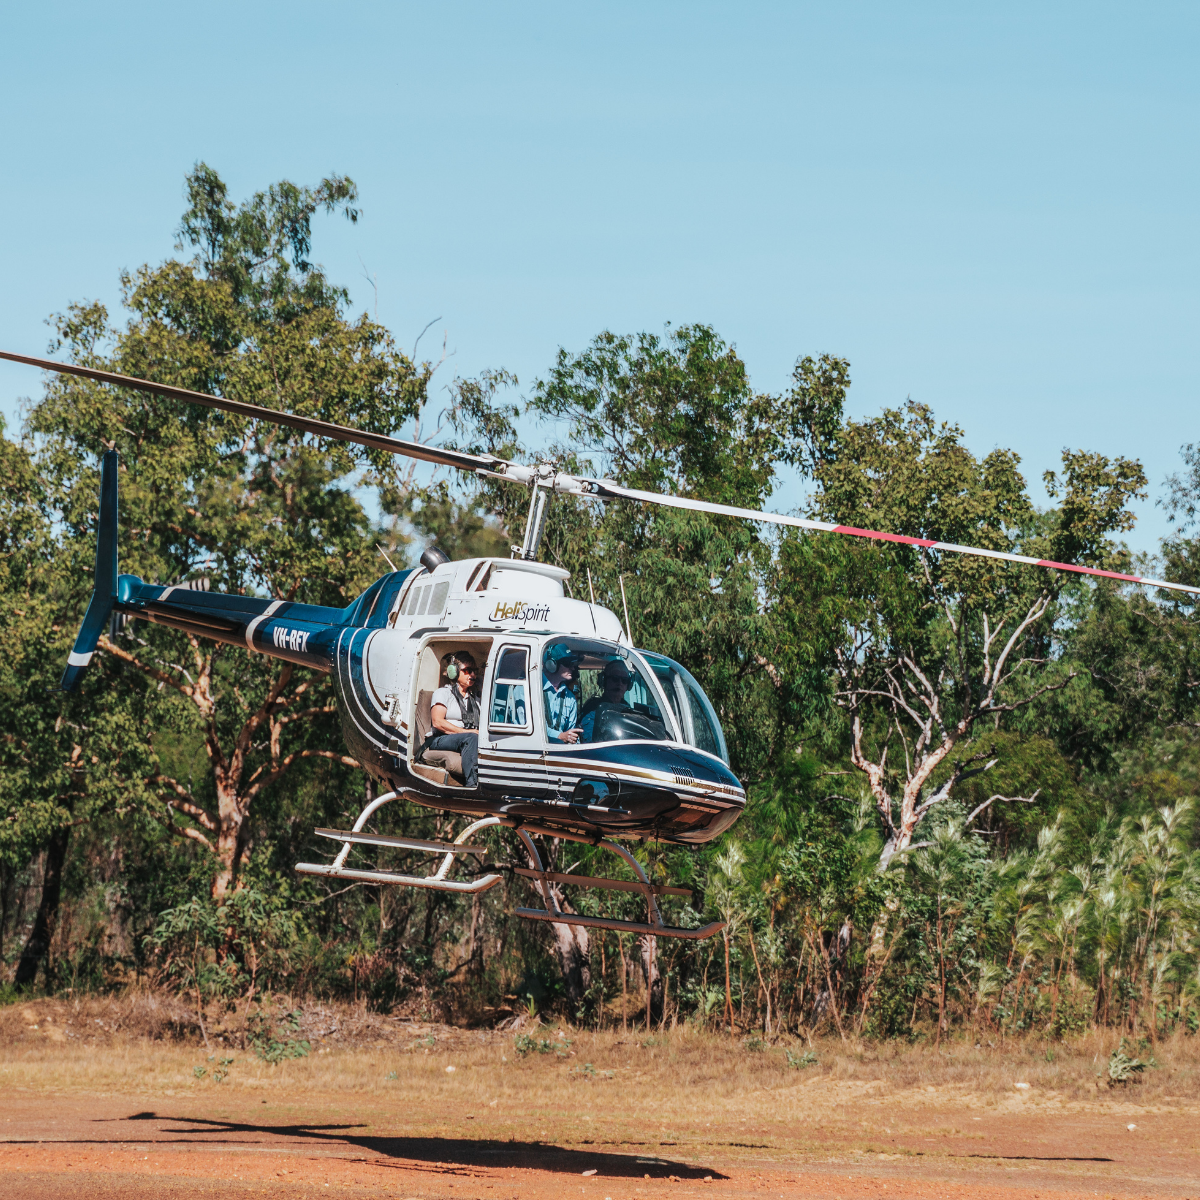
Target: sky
[{"x": 990, "y": 209}]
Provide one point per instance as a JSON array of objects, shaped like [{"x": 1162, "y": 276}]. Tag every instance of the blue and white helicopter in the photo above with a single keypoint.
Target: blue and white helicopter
[{"x": 651, "y": 763}]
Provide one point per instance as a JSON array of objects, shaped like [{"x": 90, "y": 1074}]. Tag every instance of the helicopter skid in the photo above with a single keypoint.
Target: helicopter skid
[
  {"x": 561, "y": 918},
  {"x": 331, "y": 871},
  {"x": 383, "y": 839},
  {"x": 546, "y": 881},
  {"x": 436, "y": 882},
  {"x": 653, "y": 927}
]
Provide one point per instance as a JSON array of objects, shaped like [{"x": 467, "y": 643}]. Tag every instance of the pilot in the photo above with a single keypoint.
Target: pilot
[
  {"x": 558, "y": 693},
  {"x": 616, "y": 680},
  {"x": 454, "y": 715}
]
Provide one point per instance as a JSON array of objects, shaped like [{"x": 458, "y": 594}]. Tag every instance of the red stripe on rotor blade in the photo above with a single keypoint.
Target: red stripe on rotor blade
[
  {"x": 883, "y": 537},
  {"x": 1045, "y": 562}
]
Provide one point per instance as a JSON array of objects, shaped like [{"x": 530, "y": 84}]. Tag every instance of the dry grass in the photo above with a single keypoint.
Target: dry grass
[{"x": 146, "y": 1044}]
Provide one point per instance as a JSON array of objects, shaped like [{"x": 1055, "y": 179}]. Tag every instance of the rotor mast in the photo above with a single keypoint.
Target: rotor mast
[{"x": 541, "y": 492}]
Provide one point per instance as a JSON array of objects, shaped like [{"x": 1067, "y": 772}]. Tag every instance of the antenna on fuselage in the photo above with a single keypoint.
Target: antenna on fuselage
[
  {"x": 385, "y": 557},
  {"x": 625, "y": 606},
  {"x": 592, "y": 602}
]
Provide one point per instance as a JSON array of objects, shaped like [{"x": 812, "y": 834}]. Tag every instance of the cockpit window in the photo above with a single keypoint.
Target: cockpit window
[
  {"x": 601, "y": 690},
  {"x": 695, "y": 714}
]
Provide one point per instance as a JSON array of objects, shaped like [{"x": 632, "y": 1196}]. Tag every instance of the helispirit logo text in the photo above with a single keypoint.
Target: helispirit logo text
[{"x": 519, "y": 610}]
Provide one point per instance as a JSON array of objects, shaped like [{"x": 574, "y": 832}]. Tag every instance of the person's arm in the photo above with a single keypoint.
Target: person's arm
[
  {"x": 437, "y": 718},
  {"x": 568, "y": 715},
  {"x": 571, "y": 712}
]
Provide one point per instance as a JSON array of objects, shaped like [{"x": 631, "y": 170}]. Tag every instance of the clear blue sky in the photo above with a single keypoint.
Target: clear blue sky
[{"x": 989, "y": 208}]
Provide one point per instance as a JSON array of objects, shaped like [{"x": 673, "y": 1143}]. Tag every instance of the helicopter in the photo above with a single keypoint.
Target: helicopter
[{"x": 645, "y": 760}]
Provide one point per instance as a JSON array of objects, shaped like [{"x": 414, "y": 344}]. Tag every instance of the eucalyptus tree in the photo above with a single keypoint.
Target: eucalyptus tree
[
  {"x": 65, "y": 761},
  {"x": 209, "y": 498},
  {"x": 676, "y": 412},
  {"x": 928, "y": 650}
]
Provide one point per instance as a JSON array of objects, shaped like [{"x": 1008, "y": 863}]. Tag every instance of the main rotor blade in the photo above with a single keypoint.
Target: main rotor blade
[
  {"x": 601, "y": 489},
  {"x": 339, "y": 433},
  {"x": 606, "y": 489}
]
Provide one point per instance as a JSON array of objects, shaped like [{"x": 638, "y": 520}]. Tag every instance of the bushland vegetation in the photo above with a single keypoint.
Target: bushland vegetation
[{"x": 972, "y": 785}]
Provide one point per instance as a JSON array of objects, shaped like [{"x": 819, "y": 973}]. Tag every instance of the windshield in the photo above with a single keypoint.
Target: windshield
[
  {"x": 693, "y": 712},
  {"x": 602, "y": 690}
]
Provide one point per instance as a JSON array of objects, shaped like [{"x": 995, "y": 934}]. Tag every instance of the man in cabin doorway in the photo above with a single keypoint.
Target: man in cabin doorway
[
  {"x": 558, "y": 693},
  {"x": 454, "y": 715}
]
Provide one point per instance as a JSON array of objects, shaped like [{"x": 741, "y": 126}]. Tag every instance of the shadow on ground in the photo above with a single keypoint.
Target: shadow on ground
[{"x": 435, "y": 1154}]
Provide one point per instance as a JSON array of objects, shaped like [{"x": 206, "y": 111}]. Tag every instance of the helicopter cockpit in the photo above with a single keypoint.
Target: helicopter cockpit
[
  {"x": 601, "y": 692},
  {"x": 614, "y": 697}
]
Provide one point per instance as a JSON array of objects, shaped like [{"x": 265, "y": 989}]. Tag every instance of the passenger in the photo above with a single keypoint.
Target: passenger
[
  {"x": 558, "y": 693},
  {"x": 616, "y": 681},
  {"x": 454, "y": 715}
]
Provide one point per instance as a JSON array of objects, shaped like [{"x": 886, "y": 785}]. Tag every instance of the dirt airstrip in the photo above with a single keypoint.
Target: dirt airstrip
[{"x": 412, "y": 1110}]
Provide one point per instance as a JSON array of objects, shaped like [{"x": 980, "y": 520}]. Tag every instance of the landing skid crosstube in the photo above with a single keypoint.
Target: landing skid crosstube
[{"x": 654, "y": 926}]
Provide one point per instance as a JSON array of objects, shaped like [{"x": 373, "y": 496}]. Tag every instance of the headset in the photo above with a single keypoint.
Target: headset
[
  {"x": 455, "y": 666},
  {"x": 558, "y": 654}
]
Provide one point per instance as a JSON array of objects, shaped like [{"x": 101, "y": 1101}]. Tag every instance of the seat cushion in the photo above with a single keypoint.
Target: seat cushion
[{"x": 448, "y": 760}]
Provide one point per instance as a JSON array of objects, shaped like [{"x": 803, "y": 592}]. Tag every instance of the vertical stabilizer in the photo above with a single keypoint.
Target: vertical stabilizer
[{"x": 104, "y": 590}]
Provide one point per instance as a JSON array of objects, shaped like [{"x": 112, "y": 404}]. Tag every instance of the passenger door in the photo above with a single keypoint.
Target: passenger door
[{"x": 511, "y": 759}]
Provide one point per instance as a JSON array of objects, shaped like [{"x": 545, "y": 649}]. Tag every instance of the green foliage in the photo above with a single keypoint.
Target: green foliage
[
  {"x": 186, "y": 939},
  {"x": 1122, "y": 1069},
  {"x": 524, "y": 1044},
  {"x": 270, "y": 1038},
  {"x": 217, "y": 1074},
  {"x": 801, "y": 1062},
  {"x": 936, "y": 836}
]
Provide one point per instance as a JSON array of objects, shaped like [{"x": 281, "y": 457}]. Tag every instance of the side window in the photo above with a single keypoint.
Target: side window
[
  {"x": 411, "y": 600},
  {"x": 437, "y": 601},
  {"x": 508, "y": 710}
]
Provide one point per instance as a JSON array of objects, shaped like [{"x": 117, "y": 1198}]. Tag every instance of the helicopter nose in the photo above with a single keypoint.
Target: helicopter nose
[{"x": 692, "y": 766}]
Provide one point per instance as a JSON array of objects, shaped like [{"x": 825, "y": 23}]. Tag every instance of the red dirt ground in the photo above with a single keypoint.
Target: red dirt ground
[{"x": 232, "y": 1145}]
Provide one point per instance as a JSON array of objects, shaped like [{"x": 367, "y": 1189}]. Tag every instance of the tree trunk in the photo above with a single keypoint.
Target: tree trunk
[
  {"x": 38, "y": 945},
  {"x": 573, "y": 951},
  {"x": 654, "y": 986},
  {"x": 728, "y": 992},
  {"x": 229, "y": 838},
  {"x": 624, "y": 986}
]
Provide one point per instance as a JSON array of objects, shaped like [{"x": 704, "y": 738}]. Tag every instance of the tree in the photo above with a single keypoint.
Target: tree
[
  {"x": 677, "y": 413},
  {"x": 223, "y": 502},
  {"x": 928, "y": 647},
  {"x": 63, "y": 760}
]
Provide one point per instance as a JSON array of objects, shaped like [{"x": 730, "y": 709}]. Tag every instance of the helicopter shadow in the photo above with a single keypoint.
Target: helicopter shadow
[{"x": 443, "y": 1155}]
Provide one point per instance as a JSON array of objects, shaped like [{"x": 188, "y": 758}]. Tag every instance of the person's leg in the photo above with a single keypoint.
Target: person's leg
[
  {"x": 469, "y": 749},
  {"x": 466, "y": 744}
]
